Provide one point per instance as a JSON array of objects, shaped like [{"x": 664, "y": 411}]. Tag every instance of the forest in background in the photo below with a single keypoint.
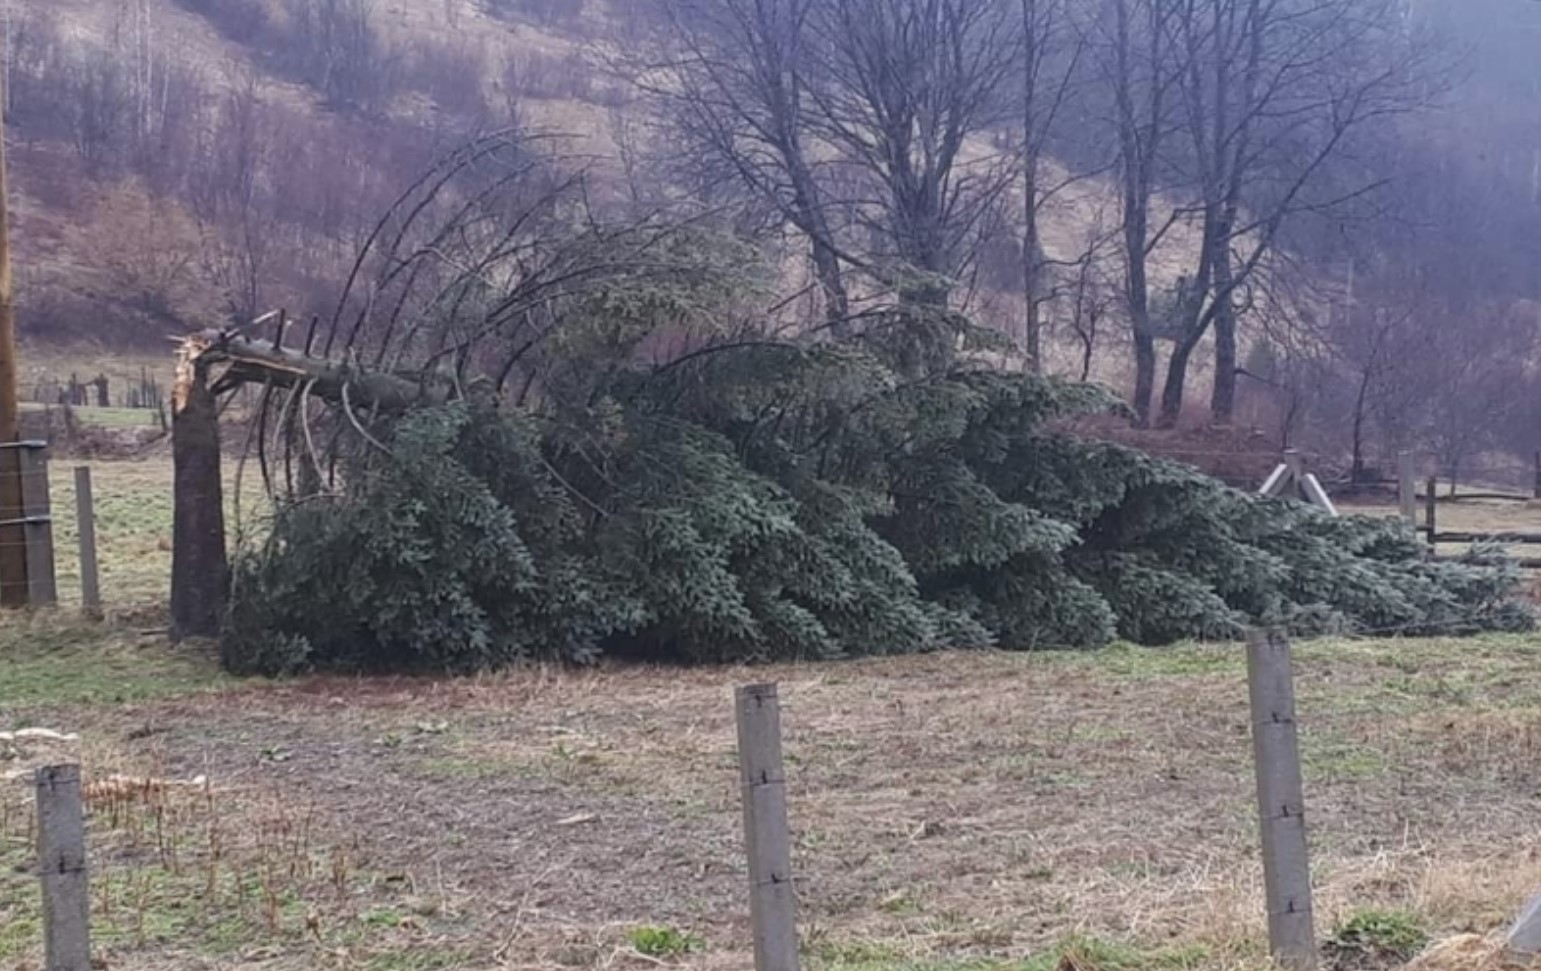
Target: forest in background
[{"x": 1317, "y": 212}]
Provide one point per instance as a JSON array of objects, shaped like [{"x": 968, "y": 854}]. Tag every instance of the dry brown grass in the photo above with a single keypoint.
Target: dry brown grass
[{"x": 954, "y": 808}]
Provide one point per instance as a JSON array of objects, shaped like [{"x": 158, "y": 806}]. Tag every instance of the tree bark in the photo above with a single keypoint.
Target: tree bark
[
  {"x": 260, "y": 362},
  {"x": 1032, "y": 246},
  {"x": 837, "y": 307},
  {"x": 1176, "y": 385},
  {"x": 1222, "y": 401},
  {"x": 1144, "y": 377},
  {"x": 199, "y": 568}
]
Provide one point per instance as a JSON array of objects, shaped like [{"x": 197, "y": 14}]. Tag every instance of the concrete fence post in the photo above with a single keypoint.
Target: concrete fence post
[
  {"x": 1281, "y": 801},
  {"x": 61, "y": 855},
  {"x": 767, "y": 837}
]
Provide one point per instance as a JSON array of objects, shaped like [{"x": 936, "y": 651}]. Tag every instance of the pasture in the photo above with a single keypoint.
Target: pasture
[{"x": 987, "y": 811}]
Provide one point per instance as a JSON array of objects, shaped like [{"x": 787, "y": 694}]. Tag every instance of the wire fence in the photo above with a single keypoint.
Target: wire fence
[
  {"x": 42, "y": 557},
  {"x": 274, "y": 867}
]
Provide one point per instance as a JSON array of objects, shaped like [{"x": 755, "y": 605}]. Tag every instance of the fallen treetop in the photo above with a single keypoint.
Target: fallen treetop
[{"x": 262, "y": 362}]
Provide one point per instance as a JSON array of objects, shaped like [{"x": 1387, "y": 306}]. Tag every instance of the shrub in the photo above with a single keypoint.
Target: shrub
[
  {"x": 1373, "y": 939},
  {"x": 663, "y": 942}
]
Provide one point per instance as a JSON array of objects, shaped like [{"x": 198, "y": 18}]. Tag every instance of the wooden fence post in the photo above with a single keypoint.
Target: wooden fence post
[
  {"x": 61, "y": 855},
  {"x": 85, "y": 519},
  {"x": 1407, "y": 487},
  {"x": 1281, "y": 801},
  {"x": 772, "y": 900},
  {"x": 1431, "y": 502}
]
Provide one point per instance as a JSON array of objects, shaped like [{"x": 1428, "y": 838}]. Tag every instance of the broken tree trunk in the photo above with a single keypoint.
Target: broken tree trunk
[
  {"x": 199, "y": 564},
  {"x": 260, "y": 362},
  {"x": 199, "y": 568}
]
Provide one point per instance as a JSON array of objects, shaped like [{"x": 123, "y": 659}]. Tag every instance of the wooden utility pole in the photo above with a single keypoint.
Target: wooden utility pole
[{"x": 13, "y": 552}]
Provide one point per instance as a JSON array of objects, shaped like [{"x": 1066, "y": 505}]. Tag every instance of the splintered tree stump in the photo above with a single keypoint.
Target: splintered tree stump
[{"x": 199, "y": 568}]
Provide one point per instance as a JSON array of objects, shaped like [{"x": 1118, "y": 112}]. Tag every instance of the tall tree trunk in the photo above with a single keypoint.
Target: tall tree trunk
[
  {"x": 1144, "y": 376},
  {"x": 1033, "y": 278},
  {"x": 199, "y": 568},
  {"x": 1032, "y": 247},
  {"x": 837, "y": 306},
  {"x": 810, "y": 218},
  {"x": 1222, "y": 402},
  {"x": 1176, "y": 384},
  {"x": 1137, "y": 297}
]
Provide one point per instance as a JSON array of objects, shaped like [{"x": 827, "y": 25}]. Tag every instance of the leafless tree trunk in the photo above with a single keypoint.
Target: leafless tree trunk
[
  {"x": 1138, "y": 71},
  {"x": 1272, "y": 93},
  {"x": 903, "y": 86},
  {"x": 738, "y": 94},
  {"x": 1049, "y": 63},
  {"x": 199, "y": 568}
]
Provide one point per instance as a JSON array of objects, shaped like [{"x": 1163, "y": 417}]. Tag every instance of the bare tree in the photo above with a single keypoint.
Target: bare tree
[
  {"x": 1051, "y": 54},
  {"x": 1137, "y": 70},
  {"x": 733, "y": 83},
  {"x": 906, "y": 91},
  {"x": 232, "y": 201},
  {"x": 1272, "y": 93},
  {"x": 1091, "y": 296},
  {"x": 335, "y": 47}
]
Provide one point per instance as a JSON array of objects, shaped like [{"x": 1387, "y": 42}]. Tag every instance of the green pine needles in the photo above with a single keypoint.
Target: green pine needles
[
  {"x": 760, "y": 498},
  {"x": 778, "y": 502}
]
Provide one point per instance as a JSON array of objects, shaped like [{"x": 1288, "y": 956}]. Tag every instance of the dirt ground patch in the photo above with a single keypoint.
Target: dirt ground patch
[{"x": 980, "y": 808}]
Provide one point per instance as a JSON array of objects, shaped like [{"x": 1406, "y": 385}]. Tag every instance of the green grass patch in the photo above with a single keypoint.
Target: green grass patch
[
  {"x": 1081, "y": 952},
  {"x": 1376, "y": 939},
  {"x": 49, "y": 661},
  {"x": 1334, "y": 756},
  {"x": 104, "y": 417},
  {"x": 1187, "y": 661},
  {"x": 663, "y": 942}
]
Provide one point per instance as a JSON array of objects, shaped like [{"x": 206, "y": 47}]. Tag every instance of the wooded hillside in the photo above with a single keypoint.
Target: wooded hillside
[{"x": 1320, "y": 221}]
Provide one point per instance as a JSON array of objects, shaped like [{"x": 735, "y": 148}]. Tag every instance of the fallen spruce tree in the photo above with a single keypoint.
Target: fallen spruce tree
[
  {"x": 803, "y": 501},
  {"x": 604, "y": 445}
]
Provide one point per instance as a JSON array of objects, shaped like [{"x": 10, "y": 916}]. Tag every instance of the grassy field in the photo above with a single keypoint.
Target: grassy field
[
  {"x": 979, "y": 811},
  {"x": 133, "y": 501},
  {"x": 976, "y": 812}
]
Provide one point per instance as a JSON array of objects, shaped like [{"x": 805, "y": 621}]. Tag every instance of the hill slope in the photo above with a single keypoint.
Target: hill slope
[{"x": 176, "y": 161}]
